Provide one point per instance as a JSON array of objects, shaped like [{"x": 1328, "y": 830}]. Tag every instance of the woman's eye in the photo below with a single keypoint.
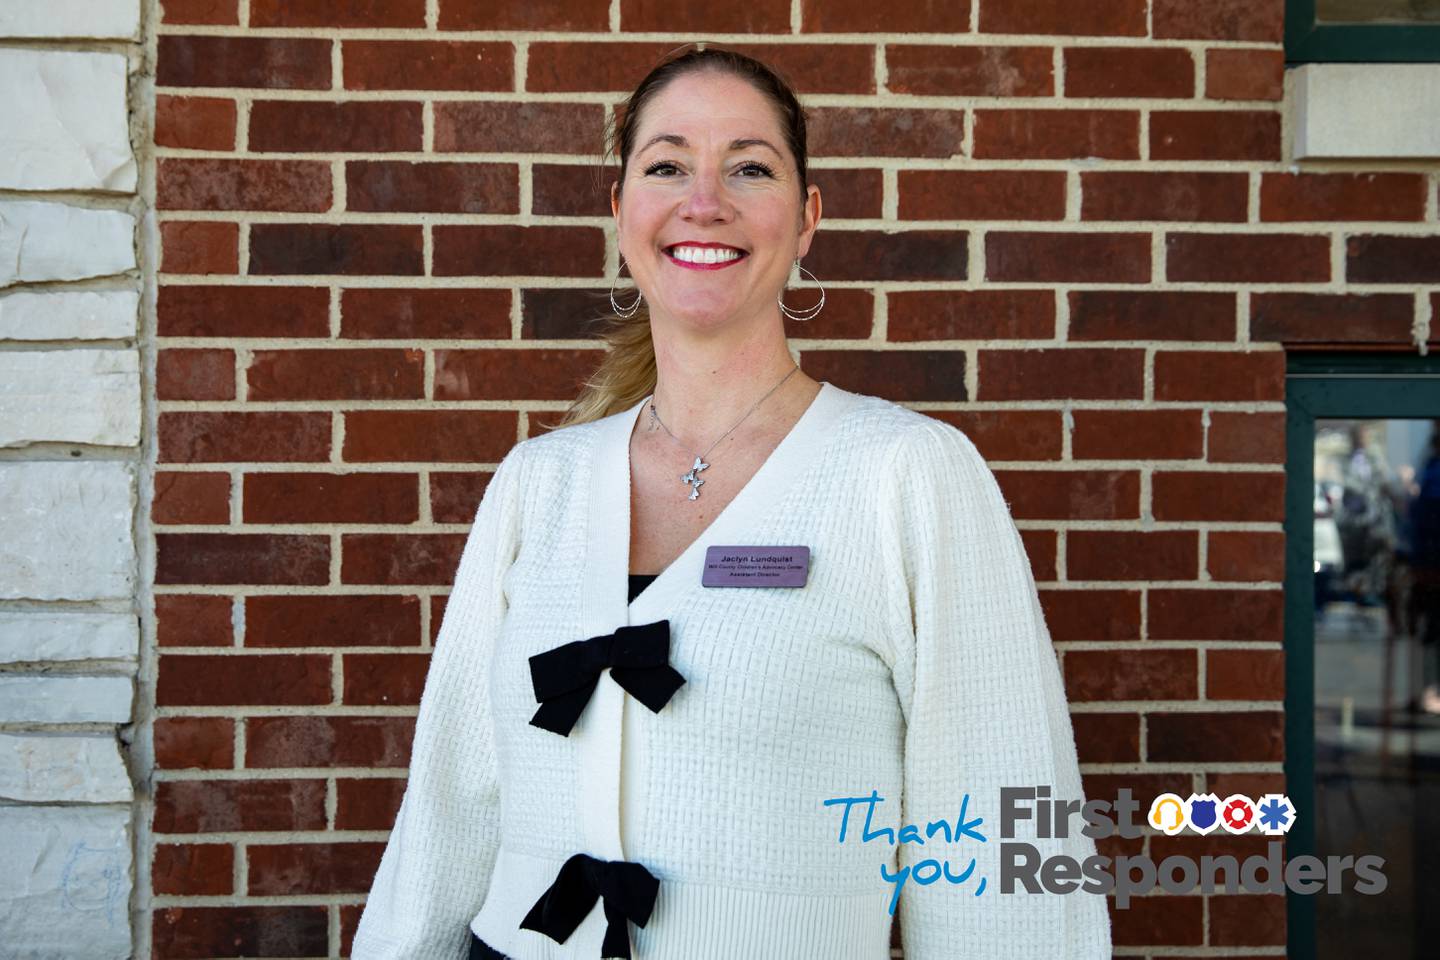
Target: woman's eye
[
  {"x": 658, "y": 167},
  {"x": 757, "y": 168}
]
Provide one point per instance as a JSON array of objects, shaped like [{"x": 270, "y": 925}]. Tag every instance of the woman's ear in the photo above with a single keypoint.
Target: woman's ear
[
  {"x": 809, "y": 219},
  {"x": 615, "y": 201}
]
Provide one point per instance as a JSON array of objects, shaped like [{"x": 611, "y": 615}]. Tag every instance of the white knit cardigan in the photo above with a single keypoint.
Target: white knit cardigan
[{"x": 915, "y": 662}]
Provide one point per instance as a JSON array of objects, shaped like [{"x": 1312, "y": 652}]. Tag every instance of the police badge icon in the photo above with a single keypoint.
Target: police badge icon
[{"x": 1203, "y": 812}]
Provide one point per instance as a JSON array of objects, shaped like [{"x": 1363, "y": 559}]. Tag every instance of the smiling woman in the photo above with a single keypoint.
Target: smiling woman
[{"x": 846, "y": 610}]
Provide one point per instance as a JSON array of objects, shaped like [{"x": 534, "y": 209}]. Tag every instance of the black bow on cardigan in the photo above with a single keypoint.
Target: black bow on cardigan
[
  {"x": 638, "y": 658},
  {"x": 627, "y": 888}
]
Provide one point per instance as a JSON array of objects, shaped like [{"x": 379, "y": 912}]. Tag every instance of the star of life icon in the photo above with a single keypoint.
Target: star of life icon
[{"x": 1276, "y": 814}]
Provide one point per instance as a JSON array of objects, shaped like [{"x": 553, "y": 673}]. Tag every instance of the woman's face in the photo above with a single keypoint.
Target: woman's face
[{"x": 710, "y": 216}]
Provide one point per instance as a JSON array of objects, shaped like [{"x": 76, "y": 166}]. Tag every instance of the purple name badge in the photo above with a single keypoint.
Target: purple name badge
[{"x": 756, "y": 566}]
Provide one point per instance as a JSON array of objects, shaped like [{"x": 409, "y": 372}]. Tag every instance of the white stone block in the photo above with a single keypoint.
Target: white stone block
[
  {"x": 31, "y": 698},
  {"x": 80, "y": 19},
  {"x": 65, "y": 889},
  {"x": 1365, "y": 111},
  {"x": 69, "y": 315},
  {"x": 55, "y": 241},
  {"x": 64, "y": 121},
  {"x": 62, "y": 768},
  {"x": 70, "y": 396},
  {"x": 68, "y": 530},
  {"x": 59, "y": 635}
]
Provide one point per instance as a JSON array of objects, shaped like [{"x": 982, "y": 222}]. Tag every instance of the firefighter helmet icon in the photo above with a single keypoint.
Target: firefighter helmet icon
[
  {"x": 1204, "y": 812},
  {"x": 1237, "y": 814},
  {"x": 1167, "y": 813}
]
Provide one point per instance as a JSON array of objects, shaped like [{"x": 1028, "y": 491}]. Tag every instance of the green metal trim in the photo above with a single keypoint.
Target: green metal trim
[
  {"x": 1321, "y": 386},
  {"x": 1309, "y": 42}
]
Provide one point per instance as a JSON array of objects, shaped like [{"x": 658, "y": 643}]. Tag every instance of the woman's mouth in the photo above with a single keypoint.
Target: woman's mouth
[{"x": 709, "y": 256}]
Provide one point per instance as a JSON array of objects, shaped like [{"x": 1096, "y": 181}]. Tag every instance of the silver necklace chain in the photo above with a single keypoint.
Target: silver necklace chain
[{"x": 692, "y": 478}]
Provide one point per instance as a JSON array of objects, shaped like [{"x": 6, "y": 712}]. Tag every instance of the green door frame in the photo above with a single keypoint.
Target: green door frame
[
  {"x": 1309, "y": 41},
  {"x": 1319, "y": 386}
]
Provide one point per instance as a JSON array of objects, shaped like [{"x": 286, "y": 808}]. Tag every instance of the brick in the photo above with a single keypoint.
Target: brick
[
  {"x": 1250, "y": 784},
  {"x": 1247, "y": 258},
  {"x": 759, "y": 16},
  {"x": 1221, "y": 496},
  {"x": 534, "y": 374},
  {"x": 349, "y": 926},
  {"x": 902, "y": 375},
  {"x": 194, "y": 123},
  {"x": 249, "y": 558},
  {"x": 213, "y": 806},
  {"x": 570, "y": 190},
  {"x": 1261, "y": 21},
  {"x": 192, "y": 933},
  {"x": 1130, "y": 674},
  {"x": 193, "y": 620},
  {"x": 969, "y": 71},
  {"x": 1326, "y": 197},
  {"x": 429, "y": 436},
  {"x": 239, "y": 311},
  {"x": 563, "y": 313},
  {"x": 219, "y": 183},
  {"x": 516, "y": 127},
  {"x": 312, "y": 868},
  {"x": 1229, "y": 737},
  {"x": 853, "y": 16},
  {"x": 1151, "y": 315},
  {"x": 369, "y": 804},
  {"x": 1040, "y": 547},
  {"x": 336, "y": 374},
  {"x": 455, "y": 494},
  {"x": 1009, "y": 434},
  {"x": 190, "y": 498},
  {"x": 331, "y": 620},
  {"x": 609, "y": 66},
  {"x": 438, "y": 313},
  {"x": 405, "y": 186},
  {"x": 1107, "y": 737},
  {"x": 886, "y": 132},
  {"x": 1244, "y": 74},
  {"x": 877, "y": 255},
  {"x": 270, "y": 63},
  {"x": 849, "y": 193},
  {"x": 1110, "y": 71},
  {"x": 1183, "y": 195},
  {"x": 1107, "y": 786},
  {"x": 1177, "y": 921},
  {"x": 1057, "y": 134},
  {"x": 194, "y": 680},
  {"x": 1245, "y": 674},
  {"x": 199, "y": 374},
  {"x": 812, "y": 68},
  {"x": 1247, "y": 921},
  {"x": 396, "y": 559},
  {"x": 1238, "y": 437},
  {"x": 1067, "y": 257},
  {"x": 275, "y": 436},
  {"x": 982, "y": 194},
  {"x": 1138, "y": 435},
  {"x": 1132, "y": 555},
  {"x": 364, "y": 249},
  {"x": 849, "y": 314},
  {"x": 198, "y": 246},
  {"x": 1215, "y": 135},
  {"x": 324, "y": 13},
  {"x": 560, "y": 15},
  {"x": 217, "y": 12},
  {"x": 971, "y": 315},
  {"x": 328, "y": 741},
  {"x": 428, "y": 65},
  {"x": 1179, "y": 614},
  {"x": 1118, "y": 18},
  {"x": 385, "y": 679},
  {"x": 491, "y": 250},
  {"x": 1332, "y": 318},
  {"x": 193, "y": 869},
  {"x": 1256, "y": 375},
  {"x": 1370, "y": 258},
  {"x": 331, "y": 498},
  {"x": 206, "y": 743},
  {"x": 353, "y": 126},
  {"x": 1070, "y": 494},
  {"x": 1060, "y": 373}
]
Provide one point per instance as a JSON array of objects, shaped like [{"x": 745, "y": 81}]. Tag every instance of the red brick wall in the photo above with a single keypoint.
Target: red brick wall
[{"x": 1068, "y": 228}]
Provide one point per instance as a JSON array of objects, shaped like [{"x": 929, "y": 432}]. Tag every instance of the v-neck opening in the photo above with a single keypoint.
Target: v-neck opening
[{"x": 771, "y": 464}]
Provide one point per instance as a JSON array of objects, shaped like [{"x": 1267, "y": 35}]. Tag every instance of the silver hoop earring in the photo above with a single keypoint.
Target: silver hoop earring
[
  {"x": 624, "y": 312},
  {"x": 808, "y": 313}
]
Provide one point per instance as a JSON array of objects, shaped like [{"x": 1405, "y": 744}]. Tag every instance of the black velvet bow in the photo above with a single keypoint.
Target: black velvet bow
[
  {"x": 627, "y": 889},
  {"x": 638, "y": 658}
]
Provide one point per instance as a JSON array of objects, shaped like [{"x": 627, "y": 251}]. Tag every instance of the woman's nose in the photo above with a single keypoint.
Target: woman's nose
[{"x": 706, "y": 200}]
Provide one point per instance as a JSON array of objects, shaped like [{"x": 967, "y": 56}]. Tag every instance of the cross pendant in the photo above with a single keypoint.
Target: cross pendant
[{"x": 692, "y": 479}]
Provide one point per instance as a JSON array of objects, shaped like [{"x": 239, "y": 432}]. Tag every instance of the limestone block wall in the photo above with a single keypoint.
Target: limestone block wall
[{"x": 70, "y": 444}]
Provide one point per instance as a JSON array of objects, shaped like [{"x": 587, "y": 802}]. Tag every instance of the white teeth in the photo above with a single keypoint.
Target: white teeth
[{"x": 704, "y": 254}]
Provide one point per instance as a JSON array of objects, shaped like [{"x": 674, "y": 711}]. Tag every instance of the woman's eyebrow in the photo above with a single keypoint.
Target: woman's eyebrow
[{"x": 676, "y": 140}]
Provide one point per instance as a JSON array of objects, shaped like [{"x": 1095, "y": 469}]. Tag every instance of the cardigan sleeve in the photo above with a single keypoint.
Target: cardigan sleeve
[
  {"x": 985, "y": 708},
  {"x": 435, "y": 871}
]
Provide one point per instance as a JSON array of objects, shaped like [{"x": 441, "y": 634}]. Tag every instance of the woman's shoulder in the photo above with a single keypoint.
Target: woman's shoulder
[{"x": 895, "y": 432}]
